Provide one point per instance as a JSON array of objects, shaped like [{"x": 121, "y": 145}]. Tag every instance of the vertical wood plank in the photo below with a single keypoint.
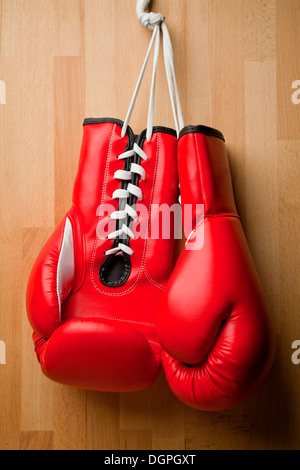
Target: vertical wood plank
[
  {"x": 288, "y": 38},
  {"x": 69, "y": 113},
  {"x": 261, "y": 173},
  {"x": 167, "y": 417},
  {"x": 288, "y": 379},
  {"x": 38, "y": 440},
  {"x": 103, "y": 429},
  {"x": 224, "y": 430},
  {"x": 136, "y": 440},
  {"x": 260, "y": 30},
  {"x": 262, "y": 219},
  {"x": 69, "y": 24},
  {"x": 11, "y": 302},
  {"x": 227, "y": 85},
  {"x": 37, "y": 390},
  {"x": 136, "y": 410},
  {"x": 101, "y": 66},
  {"x": 10, "y": 334},
  {"x": 37, "y": 99},
  {"x": 10, "y": 28},
  {"x": 196, "y": 68},
  {"x": 70, "y": 418}
]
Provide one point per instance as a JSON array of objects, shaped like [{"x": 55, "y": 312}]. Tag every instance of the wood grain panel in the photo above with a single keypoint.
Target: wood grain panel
[
  {"x": 289, "y": 301},
  {"x": 103, "y": 429},
  {"x": 69, "y": 28},
  {"x": 195, "y": 65},
  {"x": 136, "y": 440},
  {"x": 69, "y": 113},
  {"x": 64, "y": 60},
  {"x": 10, "y": 332},
  {"x": 36, "y": 83},
  {"x": 37, "y": 391},
  {"x": 260, "y": 30},
  {"x": 227, "y": 79},
  {"x": 261, "y": 173},
  {"x": 36, "y": 440},
  {"x": 288, "y": 38},
  {"x": 70, "y": 418}
]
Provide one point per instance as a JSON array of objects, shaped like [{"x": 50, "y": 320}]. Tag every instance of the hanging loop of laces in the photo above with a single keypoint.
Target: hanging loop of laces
[
  {"x": 146, "y": 19},
  {"x": 155, "y": 22}
]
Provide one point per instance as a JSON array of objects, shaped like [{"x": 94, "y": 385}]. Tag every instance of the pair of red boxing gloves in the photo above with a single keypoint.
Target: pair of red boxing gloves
[{"x": 105, "y": 305}]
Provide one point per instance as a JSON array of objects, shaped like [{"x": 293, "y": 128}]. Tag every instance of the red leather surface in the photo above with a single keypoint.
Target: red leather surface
[
  {"x": 102, "y": 355},
  {"x": 106, "y": 339},
  {"x": 214, "y": 322}
]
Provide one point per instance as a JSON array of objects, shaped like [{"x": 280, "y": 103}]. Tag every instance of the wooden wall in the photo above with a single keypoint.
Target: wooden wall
[{"x": 64, "y": 60}]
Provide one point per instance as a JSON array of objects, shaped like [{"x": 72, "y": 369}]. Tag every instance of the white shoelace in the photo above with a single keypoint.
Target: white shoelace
[
  {"x": 125, "y": 194},
  {"x": 155, "y": 22}
]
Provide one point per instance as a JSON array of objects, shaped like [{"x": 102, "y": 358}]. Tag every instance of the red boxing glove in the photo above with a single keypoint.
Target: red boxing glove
[
  {"x": 92, "y": 300},
  {"x": 213, "y": 320}
]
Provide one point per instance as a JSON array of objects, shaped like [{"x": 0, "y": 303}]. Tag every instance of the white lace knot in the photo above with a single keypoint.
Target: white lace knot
[{"x": 150, "y": 20}]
